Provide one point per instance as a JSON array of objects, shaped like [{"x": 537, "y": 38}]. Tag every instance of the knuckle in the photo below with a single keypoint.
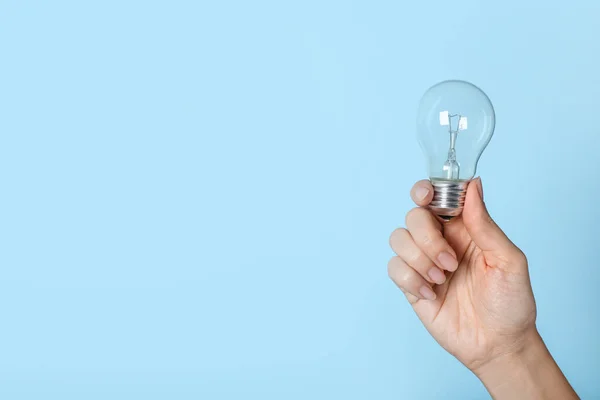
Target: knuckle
[
  {"x": 401, "y": 274},
  {"x": 419, "y": 259},
  {"x": 398, "y": 236},
  {"x": 427, "y": 240},
  {"x": 406, "y": 278},
  {"x": 433, "y": 242},
  {"x": 414, "y": 215}
]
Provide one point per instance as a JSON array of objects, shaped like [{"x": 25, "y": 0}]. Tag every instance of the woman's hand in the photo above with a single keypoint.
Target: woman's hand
[{"x": 469, "y": 285}]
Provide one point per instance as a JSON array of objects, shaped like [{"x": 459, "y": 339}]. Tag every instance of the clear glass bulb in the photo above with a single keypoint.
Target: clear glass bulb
[{"x": 455, "y": 122}]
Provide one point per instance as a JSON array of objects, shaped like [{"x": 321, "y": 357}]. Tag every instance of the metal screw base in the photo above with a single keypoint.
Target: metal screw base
[{"x": 448, "y": 197}]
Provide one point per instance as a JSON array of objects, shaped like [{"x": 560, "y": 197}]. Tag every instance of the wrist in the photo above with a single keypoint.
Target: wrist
[
  {"x": 527, "y": 372},
  {"x": 530, "y": 351}
]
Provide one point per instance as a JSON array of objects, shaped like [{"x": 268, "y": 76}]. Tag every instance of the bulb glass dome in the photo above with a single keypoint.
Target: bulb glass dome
[{"x": 455, "y": 122}]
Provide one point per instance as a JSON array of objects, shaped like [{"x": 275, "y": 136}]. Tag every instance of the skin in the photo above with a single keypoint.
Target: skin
[{"x": 470, "y": 287}]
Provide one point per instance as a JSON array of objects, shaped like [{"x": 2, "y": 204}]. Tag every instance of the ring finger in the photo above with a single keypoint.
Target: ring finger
[
  {"x": 409, "y": 281},
  {"x": 405, "y": 247}
]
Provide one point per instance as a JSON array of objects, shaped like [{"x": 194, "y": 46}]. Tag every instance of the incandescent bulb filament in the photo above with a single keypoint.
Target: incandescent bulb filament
[{"x": 451, "y": 166}]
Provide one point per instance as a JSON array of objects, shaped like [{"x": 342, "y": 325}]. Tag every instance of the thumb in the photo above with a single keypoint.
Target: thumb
[{"x": 483, "y": 230}]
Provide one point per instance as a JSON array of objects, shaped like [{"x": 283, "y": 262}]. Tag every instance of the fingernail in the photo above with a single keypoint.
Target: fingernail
[
  {"x": 437, "y": 275},
  {"x": 421, "y": 193},
  {"x": 448, "y": 261},
  {"x": 427, "y": 293}
]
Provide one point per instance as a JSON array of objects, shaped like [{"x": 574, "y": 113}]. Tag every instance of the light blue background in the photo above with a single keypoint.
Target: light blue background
[{"x": 197, "y": 196}]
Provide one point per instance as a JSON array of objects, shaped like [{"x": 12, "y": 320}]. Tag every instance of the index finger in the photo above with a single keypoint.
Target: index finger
[{"x": 422, "y": 193}]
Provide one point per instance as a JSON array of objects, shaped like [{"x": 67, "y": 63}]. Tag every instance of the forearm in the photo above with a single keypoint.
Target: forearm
[{"x": 531, "y": 374}]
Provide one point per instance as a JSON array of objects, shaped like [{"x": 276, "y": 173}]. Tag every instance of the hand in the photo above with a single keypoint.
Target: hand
[
  {"x": 469, "y": 285},
  {"x": 467, "y": 282}
]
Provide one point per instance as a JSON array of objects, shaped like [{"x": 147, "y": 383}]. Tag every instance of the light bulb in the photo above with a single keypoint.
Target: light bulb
[{"x": 455, "y": 123}]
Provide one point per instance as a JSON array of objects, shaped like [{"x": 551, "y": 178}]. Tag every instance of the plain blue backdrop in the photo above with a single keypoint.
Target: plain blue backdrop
[{"x": 197, "y": 196}]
